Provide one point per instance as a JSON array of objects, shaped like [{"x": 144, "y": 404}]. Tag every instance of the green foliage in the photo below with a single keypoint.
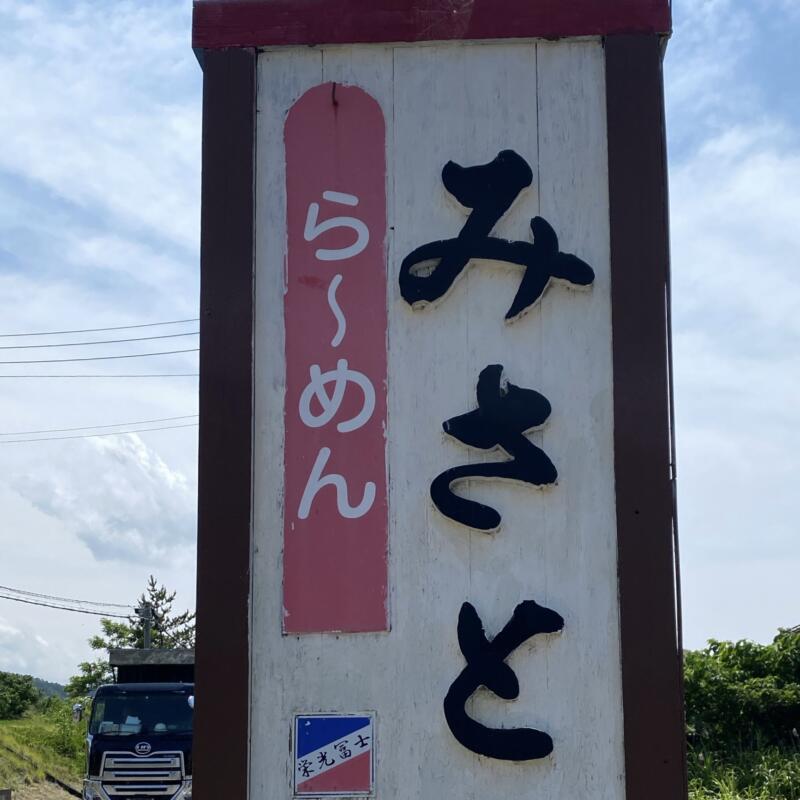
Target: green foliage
[
  {"x": 168, "y": 631},
  {"x": 743, "y": 695},
  {"x": 17, "y": 695},
  {"x": 92, "y": 674},
  {"x": 743, "y": 717},
  {"x": 49, "y": 742},
  {"x": 66, "y": 736},
  {"x": 768, "y": 774},
  {"x": 17, "y": 769},
  {"x": 38, "y": 737}
]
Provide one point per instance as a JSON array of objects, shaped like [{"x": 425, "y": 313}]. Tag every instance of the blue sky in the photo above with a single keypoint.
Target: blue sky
[
  {"x": 734, "y": 130},
  {"x": 99, "y": 226}
]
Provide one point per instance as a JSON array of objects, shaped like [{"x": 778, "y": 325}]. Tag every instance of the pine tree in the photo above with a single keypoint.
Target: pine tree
[{"x": 169, "y": 631}]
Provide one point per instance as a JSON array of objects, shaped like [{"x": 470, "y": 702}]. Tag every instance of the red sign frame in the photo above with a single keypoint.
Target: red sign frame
[{"x": 260, "y": 23}]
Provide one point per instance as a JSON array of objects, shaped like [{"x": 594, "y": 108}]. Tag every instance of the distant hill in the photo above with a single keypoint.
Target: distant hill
[{"x": 49, "y": 689}]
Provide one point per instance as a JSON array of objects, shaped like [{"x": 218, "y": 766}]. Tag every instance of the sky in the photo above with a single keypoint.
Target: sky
[{"x": 99, "y": 228}]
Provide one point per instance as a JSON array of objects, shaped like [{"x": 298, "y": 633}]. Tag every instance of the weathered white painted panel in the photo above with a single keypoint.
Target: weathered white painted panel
[
  {"x": 580, "y": 521},
  {"x": 557, "y": 546},
  {"x": 282, "y": 79}
]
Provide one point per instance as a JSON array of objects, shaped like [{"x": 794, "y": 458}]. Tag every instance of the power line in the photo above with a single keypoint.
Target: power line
[
  {"x": 102, "y": 358},
  {"x": 63, "y": 608},
  {"x": 94, "y": 427},
  {"x": 101, "y": 375},
  {"x": 106, "y": 341},
  {"x": 97, "y": 330},
  {"x": 57, "y": 599},
  {"x": 97, "y": 435}
]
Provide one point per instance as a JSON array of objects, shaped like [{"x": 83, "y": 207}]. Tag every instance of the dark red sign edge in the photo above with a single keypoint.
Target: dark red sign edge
[
  {"x": 222, "y": 720},
  {"x": 647, "y": 547},
  {"x": 263, "y": 23}
]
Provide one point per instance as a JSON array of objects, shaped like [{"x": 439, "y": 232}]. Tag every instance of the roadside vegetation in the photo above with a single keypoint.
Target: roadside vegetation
[
  {"x": 743, "y": 719},
  {"x": 40, "y": 740}
]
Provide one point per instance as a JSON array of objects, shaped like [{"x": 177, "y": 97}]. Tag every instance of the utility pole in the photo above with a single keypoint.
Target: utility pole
[{"x": 146, "y": 615}]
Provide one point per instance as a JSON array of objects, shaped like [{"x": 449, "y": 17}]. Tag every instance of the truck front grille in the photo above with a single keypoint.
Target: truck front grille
[{"x": 158, "y": 775}]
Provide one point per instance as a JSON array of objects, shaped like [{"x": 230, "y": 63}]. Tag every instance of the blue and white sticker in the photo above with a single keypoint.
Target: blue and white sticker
[{"x": 334, "y": 755}]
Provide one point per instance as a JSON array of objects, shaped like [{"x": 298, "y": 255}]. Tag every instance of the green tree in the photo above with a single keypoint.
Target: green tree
[
  {"x": 17, "y": 695},
  {"x": 91, "y": 675},
  {"x": 743, "y": 695},
  {"x": 169, "y": 630}
]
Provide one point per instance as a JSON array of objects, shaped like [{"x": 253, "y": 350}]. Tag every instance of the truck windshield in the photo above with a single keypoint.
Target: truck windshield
[{"x": 140, "y": 713}]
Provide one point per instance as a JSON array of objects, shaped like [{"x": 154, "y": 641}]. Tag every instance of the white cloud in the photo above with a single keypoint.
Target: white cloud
[
  {"x": 120, "y": 498},
  {"x": 96, "y": 108},
  {"x": 780, "y": 7},
  {"x": 736, "y": 237},
  {"x": 7, "y": 630},
  {"x": 22, "y": 652},
  {"x": 42, "y": 554},
  {"x": 711, "y": 38}
]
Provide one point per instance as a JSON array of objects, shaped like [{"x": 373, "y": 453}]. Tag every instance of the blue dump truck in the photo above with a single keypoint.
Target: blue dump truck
[{"x": 139, "y": 741}]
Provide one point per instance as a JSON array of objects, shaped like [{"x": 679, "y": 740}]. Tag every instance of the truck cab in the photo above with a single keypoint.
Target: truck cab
[{"x": 139, "y": 740}]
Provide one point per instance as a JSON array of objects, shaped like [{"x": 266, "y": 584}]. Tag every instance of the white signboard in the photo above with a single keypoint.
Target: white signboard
[{"x": 498, "y": 466}]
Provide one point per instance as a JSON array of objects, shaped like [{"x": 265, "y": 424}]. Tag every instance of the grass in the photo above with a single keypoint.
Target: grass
[
  {"x": 36, "y": 744},
  {"x": 765, "y": 774},
  {"x": 16, "y": 771}
]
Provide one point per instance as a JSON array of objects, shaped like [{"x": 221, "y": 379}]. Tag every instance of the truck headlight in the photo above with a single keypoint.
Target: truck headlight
[{"x": 91, "y": 790}]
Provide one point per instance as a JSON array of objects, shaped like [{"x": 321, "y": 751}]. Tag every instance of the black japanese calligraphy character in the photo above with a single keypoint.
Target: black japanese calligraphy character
[
  {"x": 486, "y": 667},
  {"x": 343, "y": 750},
  {"x": 362, "y": 741},
  {"x": 490, "y": 190},
  {"x": 306, "y": 770},
  {"x": 503, "y": 415},
  {"x": 322, "y": 759}
]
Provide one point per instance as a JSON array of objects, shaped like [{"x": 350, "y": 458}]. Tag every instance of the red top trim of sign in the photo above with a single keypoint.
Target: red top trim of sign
[{"x": 261, "y": 23}]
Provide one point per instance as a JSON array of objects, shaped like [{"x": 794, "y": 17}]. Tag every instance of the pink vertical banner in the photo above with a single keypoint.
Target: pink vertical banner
[{"x": 335, "y": 571}]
